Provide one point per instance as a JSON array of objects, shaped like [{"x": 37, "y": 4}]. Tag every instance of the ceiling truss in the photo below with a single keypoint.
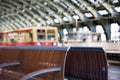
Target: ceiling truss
[{"x": 15, "y": 14}]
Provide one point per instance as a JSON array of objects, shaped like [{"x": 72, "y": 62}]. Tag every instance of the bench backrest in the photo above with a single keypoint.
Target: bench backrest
[
  {"x": 9, "y": 55},
  {"x": 81, "y": 62},
  {"x": 37, "y": 58},
  {"x": 86, "y": 63}
]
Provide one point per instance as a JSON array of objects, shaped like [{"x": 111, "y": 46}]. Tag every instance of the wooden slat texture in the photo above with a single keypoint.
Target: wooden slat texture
[
  {"x": 36, "y": 58},
  {"x": 87, "y": 63},
  {"x": 114, "y": 72}
]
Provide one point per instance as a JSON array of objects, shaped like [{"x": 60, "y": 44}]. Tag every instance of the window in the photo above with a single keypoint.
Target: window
[
  {"x": 115, "y": 32},
  {"x": 40, "y": 31},
  {"x": 51, "y": 31},
  {"x": 51, "y": 34},
  {"x": 86, "y": 29},
  {"x": 1, "y": 37},
  {"x": 51, "y": 37},
  {"x": 65, "y": 32},
  {"x": 99, "y": 29},
  {"x": 41, "y": 34},
  {"x": 41, "y": 37},
  {"x": 31, "y": 36}
]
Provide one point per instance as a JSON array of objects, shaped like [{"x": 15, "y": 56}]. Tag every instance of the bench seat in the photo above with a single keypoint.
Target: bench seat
[{"x": 18, "y": 75}]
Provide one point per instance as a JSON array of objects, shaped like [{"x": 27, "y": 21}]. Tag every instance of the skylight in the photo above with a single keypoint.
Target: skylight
[
  {"x": 88, "y": 15},
  {"x": 30, "y": 8},
  {"x": 117, "y": 9},
  {"x": 56, "y": 21},
  {"x": 23, "y": 10},
  {"x": 94, "y": 1},
  {"x": 115, "y": 1},
  {"x": 65, "y": 19},
  {"x": 103, "y": 12},
  {"x": 76, "y": 17},
  {"x": 76, "y": 2}
]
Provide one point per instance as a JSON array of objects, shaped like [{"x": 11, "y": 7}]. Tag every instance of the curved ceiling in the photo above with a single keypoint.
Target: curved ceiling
[{"x": 15, "y": 14}]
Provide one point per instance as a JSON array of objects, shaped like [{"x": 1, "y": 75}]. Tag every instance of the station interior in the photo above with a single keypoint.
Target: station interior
[{"x": 77, "y": 23}]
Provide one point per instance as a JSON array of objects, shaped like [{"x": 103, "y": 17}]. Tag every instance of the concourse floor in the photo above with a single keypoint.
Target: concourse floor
[{"x": 114, "y": 72}]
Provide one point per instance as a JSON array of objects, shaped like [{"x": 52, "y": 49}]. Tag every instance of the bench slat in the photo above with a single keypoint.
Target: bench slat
[{"x": 87, "y": 63}]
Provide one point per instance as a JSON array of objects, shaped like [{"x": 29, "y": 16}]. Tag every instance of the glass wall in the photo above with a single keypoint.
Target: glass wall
[
  {"x": 115, "y": 32},
  {"x": 99, "y": 29}
]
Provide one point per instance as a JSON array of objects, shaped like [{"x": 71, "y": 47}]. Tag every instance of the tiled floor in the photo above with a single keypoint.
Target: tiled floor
[{"x": 114, "y": 72}]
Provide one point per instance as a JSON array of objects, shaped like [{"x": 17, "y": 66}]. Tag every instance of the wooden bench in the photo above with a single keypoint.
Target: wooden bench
[
  {"x": 87, "y": 63},
  {"x": 9, "y": 54},
  {"x": 47, "y": 61}
]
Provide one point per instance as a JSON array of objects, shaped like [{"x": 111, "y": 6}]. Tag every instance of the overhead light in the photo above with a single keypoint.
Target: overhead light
[
  {"x": 88, "y": 15},
  {"x": 103, "y": 12},
  {"x": 76, "y": 17},
  {"x": 117, "y": 9},
  {"x": 65, "y": 19},
  {"x": 56, "y": 21}
]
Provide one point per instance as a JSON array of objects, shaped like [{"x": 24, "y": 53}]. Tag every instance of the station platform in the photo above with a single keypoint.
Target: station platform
[{"x": 114, "y": 72}]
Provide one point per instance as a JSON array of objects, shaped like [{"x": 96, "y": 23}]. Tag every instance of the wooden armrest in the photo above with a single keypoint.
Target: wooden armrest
[
  {"x": 38, "y": 72},
  {"x": 9, "y": 64}
]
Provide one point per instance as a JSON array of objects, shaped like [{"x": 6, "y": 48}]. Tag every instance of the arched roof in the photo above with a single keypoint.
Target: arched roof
[{"x": 15, "y": 14}]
